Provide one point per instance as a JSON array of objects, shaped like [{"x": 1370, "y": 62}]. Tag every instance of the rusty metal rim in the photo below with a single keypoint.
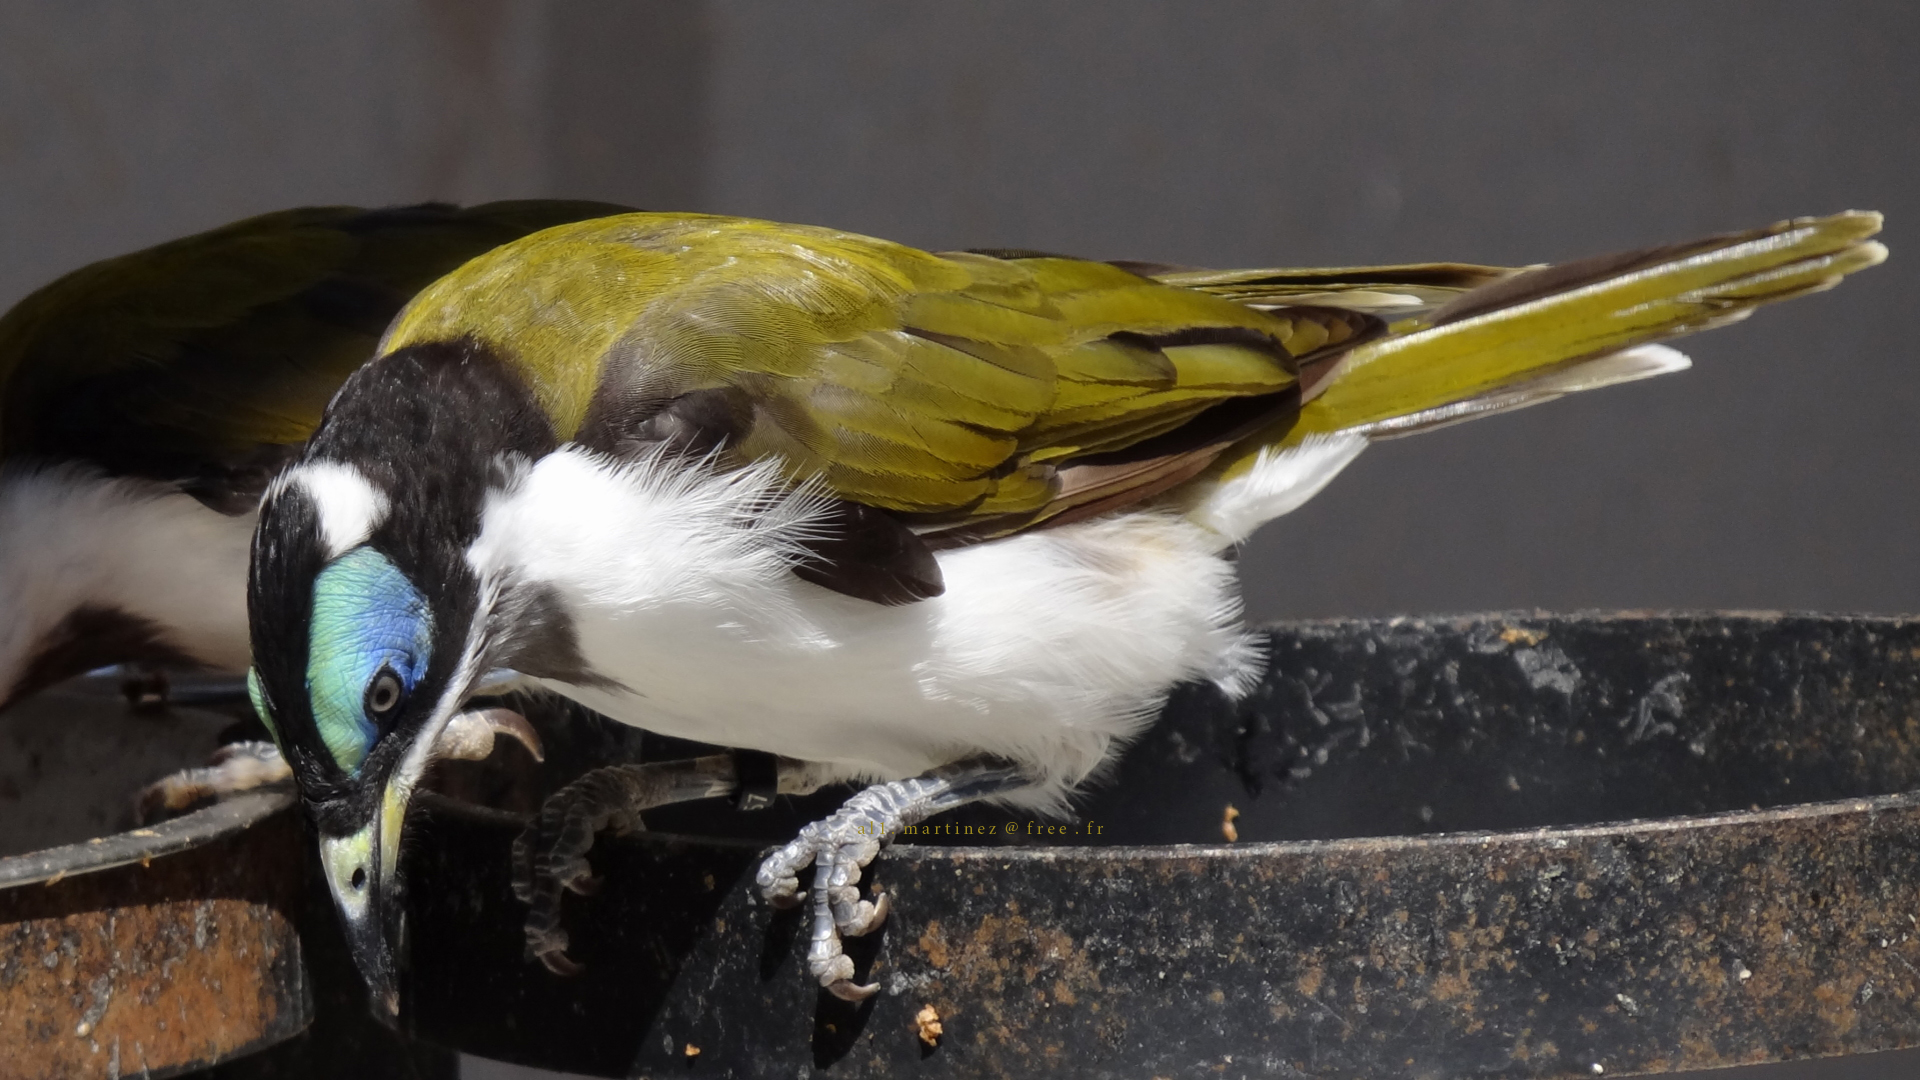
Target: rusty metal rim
[{"x": 136, "y": 845}]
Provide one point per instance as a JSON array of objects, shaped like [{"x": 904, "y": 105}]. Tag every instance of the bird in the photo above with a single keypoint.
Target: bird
[
  {"x": 146, "y": 401},
  {"x": 949, "y": 525}
]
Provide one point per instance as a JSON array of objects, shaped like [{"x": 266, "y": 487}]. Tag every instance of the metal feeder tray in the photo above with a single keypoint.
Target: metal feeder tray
[{"x": 1418, "y": 888}]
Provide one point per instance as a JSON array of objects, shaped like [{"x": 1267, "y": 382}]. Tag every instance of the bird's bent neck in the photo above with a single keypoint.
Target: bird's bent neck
[{"x": 96, "y": 570}]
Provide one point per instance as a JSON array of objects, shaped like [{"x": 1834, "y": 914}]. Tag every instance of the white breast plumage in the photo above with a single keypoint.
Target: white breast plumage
[{"x": 1047, "y": 646}]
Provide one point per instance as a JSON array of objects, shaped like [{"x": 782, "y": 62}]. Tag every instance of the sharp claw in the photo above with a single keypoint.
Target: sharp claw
[
  {"x": 784, "y": 901},
  {"x": 848, "y": 990},
  {"x": 873, "y": 916},
  {"x": 560, "y": 964},
  {"x": 584, "y": 885}
]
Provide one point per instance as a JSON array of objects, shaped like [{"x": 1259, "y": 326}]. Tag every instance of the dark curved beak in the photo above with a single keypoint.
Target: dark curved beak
[{"x": 360, "y": 872}]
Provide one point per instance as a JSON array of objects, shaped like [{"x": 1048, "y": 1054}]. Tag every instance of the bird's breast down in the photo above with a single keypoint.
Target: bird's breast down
[{"x": 1045, "y": 648}]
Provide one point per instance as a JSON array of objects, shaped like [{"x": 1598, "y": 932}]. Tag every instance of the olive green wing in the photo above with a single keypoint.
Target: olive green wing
[
  {"x": 952, "y": 398},
  {"x": 962, "y": 392},
  {"x": 979, "y": 395},
  {"x": 203, "y": 360}
]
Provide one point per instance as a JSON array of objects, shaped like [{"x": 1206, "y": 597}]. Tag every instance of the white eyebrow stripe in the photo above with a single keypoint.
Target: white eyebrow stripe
[{"x": 350, "y": 507}]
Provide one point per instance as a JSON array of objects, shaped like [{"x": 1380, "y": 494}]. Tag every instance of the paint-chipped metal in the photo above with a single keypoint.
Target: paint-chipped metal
[{"x": 153, "y": 953}]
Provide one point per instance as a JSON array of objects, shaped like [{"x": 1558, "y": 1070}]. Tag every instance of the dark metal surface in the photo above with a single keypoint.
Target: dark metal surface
[{"x": 1541, "y": 952}]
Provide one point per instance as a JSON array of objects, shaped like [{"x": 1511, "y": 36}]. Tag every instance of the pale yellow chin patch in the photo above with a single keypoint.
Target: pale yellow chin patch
[
  {"x": 352, "y": 864},
  {"x": 348, "y": 861}
]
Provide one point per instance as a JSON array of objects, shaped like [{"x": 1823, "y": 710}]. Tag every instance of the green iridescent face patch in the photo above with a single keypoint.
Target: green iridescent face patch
[{"x": 371, "y": 636}]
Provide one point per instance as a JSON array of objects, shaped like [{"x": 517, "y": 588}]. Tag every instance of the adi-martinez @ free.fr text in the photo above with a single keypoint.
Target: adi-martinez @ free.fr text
[{"x": 1035, "y": 829}]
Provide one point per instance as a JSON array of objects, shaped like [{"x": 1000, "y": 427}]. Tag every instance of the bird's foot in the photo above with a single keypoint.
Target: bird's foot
[
  {"x": 843, "y": 844},
  {"x": 551, "y": 854},
  {"x": 234, "y": 768}
]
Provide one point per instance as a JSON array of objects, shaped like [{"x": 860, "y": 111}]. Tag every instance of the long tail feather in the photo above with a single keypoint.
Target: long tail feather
[{"x": 1515, "y": 330}]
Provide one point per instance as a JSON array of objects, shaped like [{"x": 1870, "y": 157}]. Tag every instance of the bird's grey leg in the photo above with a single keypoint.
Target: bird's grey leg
[
  {"x": 844, "y": 843},
  {"x": 551, "y": 854},
  {"x": 234, "y": 768}
]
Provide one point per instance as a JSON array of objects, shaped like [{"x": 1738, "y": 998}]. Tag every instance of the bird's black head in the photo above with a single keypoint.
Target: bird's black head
[{"x": 368, "y": 623}]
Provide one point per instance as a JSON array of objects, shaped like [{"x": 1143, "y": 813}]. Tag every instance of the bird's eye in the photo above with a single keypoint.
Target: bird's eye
[{"x": 383, "y": 693}]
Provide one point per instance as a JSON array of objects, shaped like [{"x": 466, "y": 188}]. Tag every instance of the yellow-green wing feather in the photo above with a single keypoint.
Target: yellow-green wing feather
[
  {"x": 1395, "y": 293},
  {"x": 1490, "y": 339},
  {"x": 981, "y": 393},
  {"x": 1490, "y": 343},
  {"x": 913, "y": 382}
]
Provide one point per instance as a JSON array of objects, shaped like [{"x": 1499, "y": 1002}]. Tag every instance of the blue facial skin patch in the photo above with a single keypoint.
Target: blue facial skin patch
[{"x": 366, "y": 616}]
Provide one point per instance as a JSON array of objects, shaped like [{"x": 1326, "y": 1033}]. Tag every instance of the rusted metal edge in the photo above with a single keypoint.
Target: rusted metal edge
[
  {"x": 158, "y": 951},
  {"x": 138, "y": 845}
]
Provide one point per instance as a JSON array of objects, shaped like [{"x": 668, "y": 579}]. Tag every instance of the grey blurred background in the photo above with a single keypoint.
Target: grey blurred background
[{"x": 1780, "y": 473}]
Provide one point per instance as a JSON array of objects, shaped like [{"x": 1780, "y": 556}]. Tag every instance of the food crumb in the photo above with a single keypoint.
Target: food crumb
[
  {"x": 1227, "y": 827},
  {"x": 692, "y": 1051},
  {"x": 927, "y": 1020}
]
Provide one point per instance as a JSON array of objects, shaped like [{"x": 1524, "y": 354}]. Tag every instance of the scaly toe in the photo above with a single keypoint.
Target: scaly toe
[
  {"x": 838, "y": 970},
  {"x": 780, "y": 891},
  {"x": 854, "y": 916},
  {"x": 876, "y": 915},
  {"x": 550, "y": 948},
  {"x": 779, "y": 876}
]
